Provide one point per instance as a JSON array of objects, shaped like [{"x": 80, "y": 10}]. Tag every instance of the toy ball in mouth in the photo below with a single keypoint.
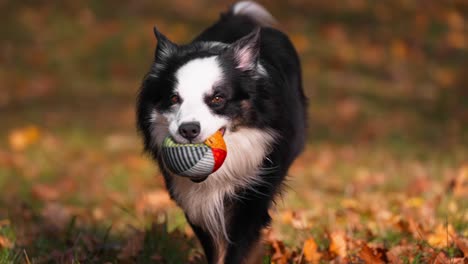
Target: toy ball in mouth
[{"x": 195, "y": 161}]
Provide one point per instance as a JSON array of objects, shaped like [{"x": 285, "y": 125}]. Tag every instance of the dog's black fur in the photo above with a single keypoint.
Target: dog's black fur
[{"x": 275, "y": 102}]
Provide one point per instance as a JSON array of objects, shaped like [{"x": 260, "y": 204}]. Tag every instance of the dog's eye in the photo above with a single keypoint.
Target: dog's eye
[
  {"x": 217, "y": 100},
  {"x": 175, "y": 99}
]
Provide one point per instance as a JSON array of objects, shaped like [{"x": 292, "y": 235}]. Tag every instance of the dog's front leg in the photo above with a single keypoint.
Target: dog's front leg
[
  {"x": 206, "y": 241},
  {"x": 246, "y": 224}
]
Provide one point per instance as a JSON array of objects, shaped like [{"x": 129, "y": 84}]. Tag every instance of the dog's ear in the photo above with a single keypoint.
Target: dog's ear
[
  {"x": 165, "y": 47},
  {"x": 246, "y": 51}
]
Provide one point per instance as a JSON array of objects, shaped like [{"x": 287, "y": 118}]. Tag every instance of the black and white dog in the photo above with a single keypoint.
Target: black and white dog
[{"x": 242, "y": 77}]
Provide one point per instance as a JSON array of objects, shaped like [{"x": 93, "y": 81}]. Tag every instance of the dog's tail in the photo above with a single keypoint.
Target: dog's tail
[
  {"x": 254, "y": 11},
  {"x": 242, "y": 18}
]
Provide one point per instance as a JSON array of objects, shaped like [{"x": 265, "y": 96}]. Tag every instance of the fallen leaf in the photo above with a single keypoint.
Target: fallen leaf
[
  {"x": 456, "y": 39},
  {"x": 310, "y": 249},
  {"x": 415, "y": 202},
  {"x": 445, "y": 77},
  {"x": 280, "y": 254},
  {"x": 368, "y": 255},
  {"x": 301, "y": 42},
  {"x": 4, "y": 222},
  {"x": 459, "y": 260},
  {"x": 45, "y": 192},
  {"x": 287, "y": 217},
  {"x": 397, "y": 254},
  {"x": 399, "y": 49},
  {"x": 442, "y": 236},
  {"x": 462, "y": 244},
  {"x": 5, "y": 242},
  {"x": 460, "y": 185},
  {"x": 153, "y": 202},
  {"x": 338, "y": 243},
  {"x": 348, "y": 110},
  {"x": 455, "y": 20},
  {"x": 21, "y": 138},
  {"x": 441, "y": 259}
]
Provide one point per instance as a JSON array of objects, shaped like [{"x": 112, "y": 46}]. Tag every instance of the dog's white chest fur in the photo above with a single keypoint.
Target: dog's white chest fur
[{"x": 204, "y": 202}]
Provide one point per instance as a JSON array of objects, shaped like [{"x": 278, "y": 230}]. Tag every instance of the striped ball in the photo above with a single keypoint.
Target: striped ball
[{"x": 194, "y": 160}]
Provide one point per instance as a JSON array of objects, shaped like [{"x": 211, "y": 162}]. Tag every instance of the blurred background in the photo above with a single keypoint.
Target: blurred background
[{"x": 386, "y": 163}]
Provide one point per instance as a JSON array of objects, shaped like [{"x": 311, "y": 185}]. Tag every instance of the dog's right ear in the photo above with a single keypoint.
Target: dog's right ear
[{"x": 165, "y": 47}]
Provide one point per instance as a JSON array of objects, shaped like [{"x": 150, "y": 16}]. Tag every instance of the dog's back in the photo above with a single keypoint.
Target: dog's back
[{"x": 277, "y": 51}]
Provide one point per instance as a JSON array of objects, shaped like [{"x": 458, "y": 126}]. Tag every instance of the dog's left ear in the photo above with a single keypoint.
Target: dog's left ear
[
  {"x": 165, "y": 47},
  {"x": 246, "y": 51}
]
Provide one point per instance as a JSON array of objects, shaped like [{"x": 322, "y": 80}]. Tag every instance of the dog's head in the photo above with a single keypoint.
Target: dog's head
[{"x": 194, "y": 90}]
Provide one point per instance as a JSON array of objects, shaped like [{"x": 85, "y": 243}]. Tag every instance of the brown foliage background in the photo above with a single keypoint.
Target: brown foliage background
[{"x": 384, "y": 177}]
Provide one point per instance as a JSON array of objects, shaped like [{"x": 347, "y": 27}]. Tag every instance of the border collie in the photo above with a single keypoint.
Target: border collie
[{"x": 243, "y": 77}]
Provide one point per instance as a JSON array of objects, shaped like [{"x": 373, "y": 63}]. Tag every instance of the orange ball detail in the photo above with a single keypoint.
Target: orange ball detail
[
  {"x": 216, "y": 141},
  {"x": 218, "y": 147}
]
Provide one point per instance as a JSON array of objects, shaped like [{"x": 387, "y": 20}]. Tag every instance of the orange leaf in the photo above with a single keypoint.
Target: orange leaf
[
  {"x": 301, "y": 42},
  {"x": 21, "y": 138},
  {"x": 338, "y": 244},
  {"x": 5, "y": 242},
  {"x": 441, "y": 237},
  {"x": 462, "y": 244},
  {"x": 310, "y": 250},
  {"x": 367, "y": 254},
  {"x": 45, "y": 192},
  {"x": 460, "y": 188},
  {"x": 441, "y": 258},
  {"x": 153, "y": 202},
  {"x": 280, "y": 253}
]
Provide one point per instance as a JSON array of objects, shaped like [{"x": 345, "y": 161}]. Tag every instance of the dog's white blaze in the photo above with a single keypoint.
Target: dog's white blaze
[
  {"x": 195, "y": 80},
  {"x": 204, "y": 202},
  {"x": 246, "y": 148}
]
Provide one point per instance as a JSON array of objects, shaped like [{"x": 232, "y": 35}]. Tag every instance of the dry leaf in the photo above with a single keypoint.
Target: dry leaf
[
  {"x": 442, "y": 236},
  {"x": 456, "y": 39},
  {"x": 5, "y": 242},
  {"x": 280, "y": 254},
  {"x": 415, "y": 202},
  {"x": 350, "y": 203},
  {"x": 301, "y": 42},
  {"x": 338, "y": 243},
  {"x": 153, "y": 202},
  {"x": 459, "y": 260},
  {"x": 460, "y": 188},
  {"x": 398, "y": 253},
  {"x": 348, "y": 110},
  {"x": 455, "y": 20},
  {"x": 310, "y": 249},
  {"x": 45, "y": 192},
  {"x": 462, "y": 244},
  {"x": 4, "y": 222},
  {"x": 399, "y": 49},
  {"x": 21, "y": 138},
  {"x": 368, "y": 255},
  {"x": 445, "y": 77},
  {"x": 441, "y": 259},
  {"x": 287, "y": 217}
]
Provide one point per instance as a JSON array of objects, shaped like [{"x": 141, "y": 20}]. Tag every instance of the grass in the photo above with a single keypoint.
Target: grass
[{"x": 385, "y": 156}]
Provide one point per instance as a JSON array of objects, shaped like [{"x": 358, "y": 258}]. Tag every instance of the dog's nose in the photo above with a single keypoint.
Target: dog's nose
[{"x": 189, "y": 130}]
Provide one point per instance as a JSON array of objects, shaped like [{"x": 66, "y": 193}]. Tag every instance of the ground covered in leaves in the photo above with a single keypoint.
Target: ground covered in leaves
[{"x": 384, "y": 177}]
